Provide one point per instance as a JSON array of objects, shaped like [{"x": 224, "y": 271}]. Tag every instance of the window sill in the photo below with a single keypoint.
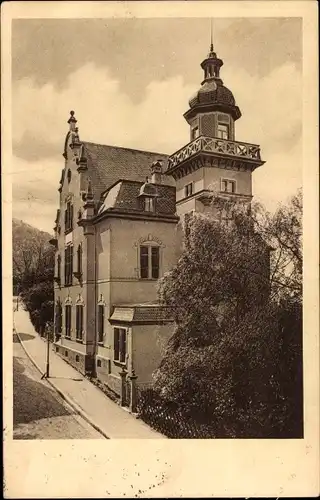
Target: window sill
[
  {"x": 101, "y": 344},
  {"x": 149, "y": 279},
  {"x": 67, "y": 231},
  {"x": 68, "y": 284},
  {"x": 119, "y": 363},
  {"x": 79, "y": 341},
  {"x": 68, "y": 337}
]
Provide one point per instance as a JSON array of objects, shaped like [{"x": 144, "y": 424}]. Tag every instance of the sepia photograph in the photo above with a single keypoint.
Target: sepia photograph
[{"x": 157, "y": 228}]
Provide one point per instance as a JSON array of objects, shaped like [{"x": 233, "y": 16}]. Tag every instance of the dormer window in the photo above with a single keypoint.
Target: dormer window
[
  {"x": 149, "y": 204},
  {"x": 194, "y": 133},
  {"x": 223, "y": 131}
]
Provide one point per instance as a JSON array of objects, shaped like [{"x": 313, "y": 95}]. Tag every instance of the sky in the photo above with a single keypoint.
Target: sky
[{"x": 129, "y": 82}]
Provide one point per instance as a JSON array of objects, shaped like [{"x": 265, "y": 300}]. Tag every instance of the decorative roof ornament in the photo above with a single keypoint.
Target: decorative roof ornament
[{"x": 72, "y": 121}]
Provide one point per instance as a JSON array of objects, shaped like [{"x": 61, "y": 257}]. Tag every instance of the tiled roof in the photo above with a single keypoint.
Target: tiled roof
[
  {"x": 108, "y": 164},
  {"x": 150, "y": 313}
]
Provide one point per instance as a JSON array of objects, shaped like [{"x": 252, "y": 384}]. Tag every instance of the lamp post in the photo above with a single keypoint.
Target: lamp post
[{"x": 46, "y": 374}]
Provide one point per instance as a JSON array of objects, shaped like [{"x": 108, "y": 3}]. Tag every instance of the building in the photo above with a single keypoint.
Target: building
[{"x": 117, "y": 231}]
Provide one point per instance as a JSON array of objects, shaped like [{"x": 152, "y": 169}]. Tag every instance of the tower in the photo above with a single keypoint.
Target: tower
[{"x": 213, "y": 162}]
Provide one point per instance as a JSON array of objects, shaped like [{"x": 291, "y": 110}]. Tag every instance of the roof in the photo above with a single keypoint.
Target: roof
[
  {"x": 107, "y": 164},
  {"x": 141, "y": 313},
  {"x": 124, "y": 196}
]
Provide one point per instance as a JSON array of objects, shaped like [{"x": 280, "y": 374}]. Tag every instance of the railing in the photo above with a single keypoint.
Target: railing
[{"x": 214, "y": 145}]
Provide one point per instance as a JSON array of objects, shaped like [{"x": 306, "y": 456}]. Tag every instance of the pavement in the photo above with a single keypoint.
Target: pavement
[
  {"x": 39, "y": 412},
  {"x": 87, "y": 400}
]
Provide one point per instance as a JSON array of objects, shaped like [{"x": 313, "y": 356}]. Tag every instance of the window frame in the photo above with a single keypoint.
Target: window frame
[
  {"x": 149, "y": 204},
  {"x": 68, "y": 265},
  {"x": 68, "y": 320},
  {"x": 227, "y": 182},
  {"x": 188, "y": 189},
  {"x": 195, "y": 133},
  {"x": 68, "y": 217},
  {"x": 79, "y": 322},
  {"x": 151, "y": 250},
  {"x": 223, "y": 128},
  {"x": 120, "y": 345}
]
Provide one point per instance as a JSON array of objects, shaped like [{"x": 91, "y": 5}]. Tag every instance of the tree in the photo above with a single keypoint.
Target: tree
[
  {"x": 231, "y": 358},
  {"x": 283, "y": 232}
]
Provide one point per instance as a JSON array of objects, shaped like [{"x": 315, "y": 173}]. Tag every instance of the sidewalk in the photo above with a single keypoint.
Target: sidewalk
[{"x": 105, "y": 415}]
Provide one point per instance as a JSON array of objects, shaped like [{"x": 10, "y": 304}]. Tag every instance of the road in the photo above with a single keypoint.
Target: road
[{"x": 38, "y": 411}]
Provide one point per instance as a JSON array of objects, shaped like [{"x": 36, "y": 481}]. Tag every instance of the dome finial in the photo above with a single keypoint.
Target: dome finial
[{"x": 211, "y": 36}]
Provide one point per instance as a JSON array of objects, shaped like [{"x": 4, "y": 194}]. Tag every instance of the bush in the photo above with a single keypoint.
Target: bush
[{"x": 39, "y": 302}]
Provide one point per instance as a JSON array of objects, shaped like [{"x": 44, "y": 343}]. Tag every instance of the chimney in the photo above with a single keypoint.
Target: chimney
[{"x": 156, "y": 172}]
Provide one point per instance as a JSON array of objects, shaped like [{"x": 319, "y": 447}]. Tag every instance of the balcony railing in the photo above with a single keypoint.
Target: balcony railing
[{"x": 213, "y": 145}]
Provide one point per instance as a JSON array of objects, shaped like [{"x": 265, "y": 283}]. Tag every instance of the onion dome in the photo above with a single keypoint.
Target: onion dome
[{"x": 212, "y": 92}]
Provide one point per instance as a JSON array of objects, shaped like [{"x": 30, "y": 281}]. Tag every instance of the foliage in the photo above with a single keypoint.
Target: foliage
[
  {"x": 283, "y": 231},
  {"x": 33, "y": 271},
  {"x": 234, "y": 361}
]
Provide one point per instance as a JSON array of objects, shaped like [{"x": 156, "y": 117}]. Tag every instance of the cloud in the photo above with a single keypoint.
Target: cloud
[{"x": 271, "y": 109}]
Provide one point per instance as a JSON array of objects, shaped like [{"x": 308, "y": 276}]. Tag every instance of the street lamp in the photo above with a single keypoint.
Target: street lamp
[{"x": 46, "y": 374}]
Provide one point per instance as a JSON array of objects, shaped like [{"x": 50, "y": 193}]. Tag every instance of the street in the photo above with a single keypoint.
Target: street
[{"x": 38, "y": 411}]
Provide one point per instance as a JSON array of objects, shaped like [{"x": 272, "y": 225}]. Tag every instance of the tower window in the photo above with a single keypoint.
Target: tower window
[
  {"x": 149, "y": 204},
  {"x": 188, "y": 189},
  {"x": 149, "y": 262},
  {"x": 223, "y": 131},
  {"x": 194, "y": 133},
  {"x": 228, "y": 186}
]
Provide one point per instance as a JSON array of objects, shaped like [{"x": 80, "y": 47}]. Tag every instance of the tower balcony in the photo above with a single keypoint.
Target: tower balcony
[{"x": 213, "y": 151}]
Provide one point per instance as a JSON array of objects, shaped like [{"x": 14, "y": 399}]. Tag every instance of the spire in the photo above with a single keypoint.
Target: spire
[{"x": 72, "y": 121}]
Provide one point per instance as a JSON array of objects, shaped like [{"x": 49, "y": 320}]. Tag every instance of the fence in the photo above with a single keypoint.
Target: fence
[{"x": 168, "y": 418}]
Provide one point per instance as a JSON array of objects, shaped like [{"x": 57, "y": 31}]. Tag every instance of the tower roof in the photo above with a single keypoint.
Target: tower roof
[{"x": 213, "y": 93}]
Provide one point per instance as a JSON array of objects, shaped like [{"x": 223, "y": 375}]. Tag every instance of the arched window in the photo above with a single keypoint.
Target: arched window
[
  {"x": 79, "y": 321},
  {"x": 79, "y": 259}
]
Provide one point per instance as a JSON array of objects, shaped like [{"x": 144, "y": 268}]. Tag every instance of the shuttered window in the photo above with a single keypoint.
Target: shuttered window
[
  {"x": 68, "y": 310},
  {"x": 79, "y": 322},
  {"x": 149, "y": 262},
  {"x": 68, "y": 217},
  {"x": 120, "y": 345},
  {"x": 68, "y": 265}
]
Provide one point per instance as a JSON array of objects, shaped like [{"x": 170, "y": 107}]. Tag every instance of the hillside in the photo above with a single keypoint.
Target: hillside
[{"x": 32, "y": 252}]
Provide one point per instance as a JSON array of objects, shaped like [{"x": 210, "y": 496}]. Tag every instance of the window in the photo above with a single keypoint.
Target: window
[
  {"x": 68, "y": 217},
  {"x": 194, "y": 133},
  {"x": 228, "y": 186},
  {"x": 69, "y": 175},
  {"x": 188, "y": 189},
  {"x": 100, "y": 323},
  {"x": 149, "y": 204},
  {"x": 68, "y": 265},
  {"x": 68, "y": 320},
  {"x": 149, "y": 262},
  {"x": 223, "y": 131},
  {"x": 58, "y": 268},
  {"x": 79, "y": 259},
  {"x": 79, "y": 322},
  {"x": 120, "y": 345}
]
